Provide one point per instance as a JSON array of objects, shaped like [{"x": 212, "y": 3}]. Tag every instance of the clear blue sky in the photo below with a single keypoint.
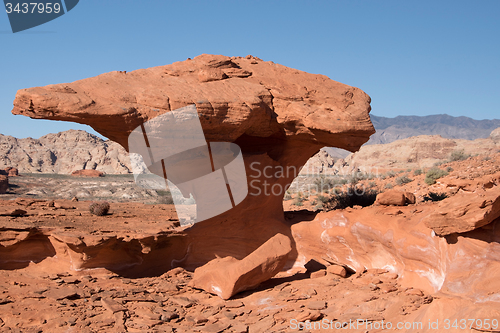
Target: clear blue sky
[{"x": 411, "y": 57}]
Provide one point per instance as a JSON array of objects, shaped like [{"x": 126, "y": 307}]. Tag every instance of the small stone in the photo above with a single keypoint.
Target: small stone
[
  {"x": 112, "y": 305},
  {"x": 183, "y": 301},
  {"x": 168, "y": 315},
  {"x": 61, "y": 293},
  {"x": 337, "y": 270},
  {"x": 318, "y": 274},
  {"x": 215, "y": 328},
  {"x": 316, "y": 305},
  {"x": 233, "y": 304},
  {"x": 239, "y": 328}
]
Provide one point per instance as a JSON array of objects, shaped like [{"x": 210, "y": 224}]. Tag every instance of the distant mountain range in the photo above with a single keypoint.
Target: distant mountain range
[{"x": 402, "y": 127}]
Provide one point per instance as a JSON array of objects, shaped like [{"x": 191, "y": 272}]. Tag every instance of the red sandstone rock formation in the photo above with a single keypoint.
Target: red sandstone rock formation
[
  {"x": 395, "y": 198},
  {"x": 279, "y": 117},
  {"x": 228, "y": 276},
  {"x": 465, "y": 212}
]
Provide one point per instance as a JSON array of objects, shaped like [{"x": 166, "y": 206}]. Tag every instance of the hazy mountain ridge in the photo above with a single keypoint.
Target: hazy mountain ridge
[{"x": 402, "y": 127}]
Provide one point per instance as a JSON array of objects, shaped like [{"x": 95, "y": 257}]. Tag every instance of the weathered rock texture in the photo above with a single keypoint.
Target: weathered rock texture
[
  {"x": 63, "y": 153},
  {"x": 465, "y": 212},
  {"x": 395, "y": 198},
  {"x": 252, "y": 99},
  {"x": 391, "y": 198},
  {"x": 279, "y": 117},
  {"x": 228, "y": 276}
]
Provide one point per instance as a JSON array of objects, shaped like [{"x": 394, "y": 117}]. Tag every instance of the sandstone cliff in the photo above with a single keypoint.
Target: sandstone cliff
[{"x": 63, "y": 153}]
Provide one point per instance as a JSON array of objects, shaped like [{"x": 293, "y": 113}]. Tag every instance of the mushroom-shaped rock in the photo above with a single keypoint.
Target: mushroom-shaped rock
[{"x": 278, "y": 116}]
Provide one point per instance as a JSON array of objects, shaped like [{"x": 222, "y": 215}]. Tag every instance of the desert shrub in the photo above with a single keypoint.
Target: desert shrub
[
  {"x": 357, "y": 176},
  {"x": 403, "y": 180},
  {"x": 323, "y": 183},
  {"x": 418, "y": 172},
  {"x": 449, "y": 169},
  {"x": 458, "y": 155},
  {"x": 298, "y": 202},
  {"x": 370, "y": 176},
  {"x": 433, "y": 196},
  {"x": 388, "y": 186},
  {"x": 99, "y": 208},
  {"x": 433, "y": 175},
  {"x": 351, "y": 197},
  {"x": 353, "y": 180},
  {"x": 164, "y": 197},
  {"x": 319, "y": 206},
  {"x": 299, "y": 199},
  {"x": 486, "y": 158},
  {"x": 287, "y": 196},
  {"x": 322, "y": 198},
  {"x": 390, "y": 174},
  {"x": 372, "y": 184}
]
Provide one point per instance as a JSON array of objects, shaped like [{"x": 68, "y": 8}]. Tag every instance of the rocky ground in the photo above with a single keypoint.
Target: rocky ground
[
  {"x": 34, "y": 301},
  {"x": 45, "y": 290},
  {"x": 423, "y": 257},
  {"x": 114, "y": 188}
]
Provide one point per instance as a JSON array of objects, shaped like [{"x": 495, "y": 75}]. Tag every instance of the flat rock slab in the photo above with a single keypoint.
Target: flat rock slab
[
  {"x": 228, "y": 276},
  {"x": 465, "y": 212}
]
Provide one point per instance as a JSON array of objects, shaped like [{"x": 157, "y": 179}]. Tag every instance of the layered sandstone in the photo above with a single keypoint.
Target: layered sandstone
[{"x": 279, "y": 117}]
